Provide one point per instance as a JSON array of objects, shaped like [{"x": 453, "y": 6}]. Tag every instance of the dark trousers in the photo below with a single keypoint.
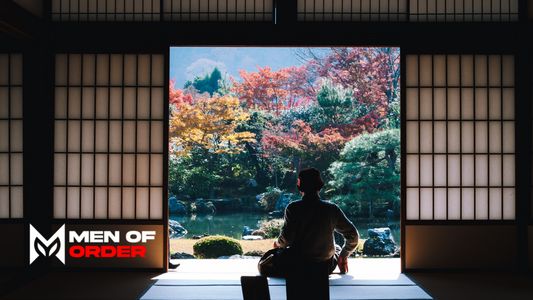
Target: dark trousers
[{"x": 308, "y": 280}]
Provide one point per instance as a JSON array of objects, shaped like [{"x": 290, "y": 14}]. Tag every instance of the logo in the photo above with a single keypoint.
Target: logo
[{"x": 39, "y": 246}]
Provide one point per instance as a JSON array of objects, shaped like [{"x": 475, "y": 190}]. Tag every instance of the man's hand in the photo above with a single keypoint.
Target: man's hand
[
  {"x": 275, "y": 244},
  {"x": 343, "y": 265}
]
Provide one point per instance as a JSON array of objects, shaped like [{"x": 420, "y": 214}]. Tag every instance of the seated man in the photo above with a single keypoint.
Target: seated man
[{"x": 309, "y": 224}]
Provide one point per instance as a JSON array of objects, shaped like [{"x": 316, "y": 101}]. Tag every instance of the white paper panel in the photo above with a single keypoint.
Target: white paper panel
[
  {"x": 411, "y": 104},
  {"x": 495, "y": 202},
  {"x": 128, "y": 203},
  {"x": 454, "y": 204},
  {"x": 454, "y": 170},
  {"x": 16, "y": 102},
  {"x": 426, "y": 204},
  {"x": 143, "y": 103},
  {"x": 508, "y": 137},
  {"x": 87, "y": 136},
  {"x": 440, "y": 137},
  {"x": 116, "y": 69},
  {"x": 426, "y": 137},
  {"x": 467, "y": 170},
  {"x": 102, "y": 103},
  {"x": 158, "y": 69},
  {"x": 482, "y": 170},
  {"x": 440, "y": 204},
  {"x": 509, "y": 205},
  {"x": 495, "y": 170},
  {"x": 74, "y": 69},
  {"x": 16, "y": 169},
  {"x": 508, "y": 170},
  {"x": 467, "y": 200},
  {"x": 4, "y": 168},
  {"x": 467, "y": 104},
  {"x": 115, "y": 202},
  {"x": 467, "y": 137},
  {"x": 159, "y": 108},
  {"x": 411, "y": 68},
  {"x": 16, "y": 69},
  {"x": 439, "y": 70},
  {"x": 454, "y": 104},
  {"x": 61, "y": 103},
  {"x": 16, "y": 135},
  {"x": 130, "y": 105},
  {"x": 88, "y": 100},
  {"x": 115, "y": 136},
  {"x": 453, "y": 70},
  {"x": 73, "y": 169},
  {"x": 495, "y": 70},
  {"x": 412, "y": 205},
  {"x": 128, "y": 170},
  {"x": 115, "y": 168},
  {"x": 100, "y": 203},
  {"x": 426, "y": 104},
  {"x": 156, "y": 170},
  {"x": 4, "y": 69},
  {"x": 73, "y": 203},
  {"x": 508, "y": 70},
  {"x": 129, "y": 136},
  {"x": 495, "y": 145},
  {"x": 87, "y": 203},
  {"x": 143, "y": 169},
  {"x": 73, "y": 136},
  {"x": 426, "y": 72},
  {"x": 481, "y": 100},
  {"x": 481, "y": 73},
  {"x": 412, "y": 170},
  {"x": 439, "y": 104},
  {"x": 4, "y": 198},
  {"x": 440, "y": 170},
  {"x": 143, "y": 203},
  {"x": 60, "y": 167},
  {"x": 156, "y": 203},
  {"x": 89, "y": 69},
  {"x": 4, "y": 135},
  {"x": 60, "y": 206},
  {"x": 143, "y": 136},
  {"x": 412, "y": 137},
  {"x": 74, "y": 103},
  {"x": 101, "y": 170},
  {"x": 467, "y": 70},
  {"x": 17, "y": 198},
  {"x": 115, "y": 103},
  {"x": 143, "y": 70},
  {"x": 481, "y": 137},
  {"x": 508, "y": 104},
  {"x": 130, "y": 70},
  {"x": 495, "y": 102},
  {"x": 4, "y": 102},
  {"x": 87, "y": 169},
  {"x": 158, "y": 134},
  {"x": 482, "y": 204},
  {"x": 61, "y": 69},
  {"x": 426, "y": 170},
  {"x": 101, "y": 136},
  {"x": 102, "y": 69}
]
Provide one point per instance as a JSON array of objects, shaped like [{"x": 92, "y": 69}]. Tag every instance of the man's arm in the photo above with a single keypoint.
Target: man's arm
[
  {"x": 286, "y": 235},
  {"x": 349, "y": 232}
]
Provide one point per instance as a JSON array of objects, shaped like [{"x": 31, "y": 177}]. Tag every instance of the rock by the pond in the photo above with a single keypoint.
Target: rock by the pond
[
  {"x": 247, "y": 231},
  {"x": 379, "y": 242},
  {"x": 175, "y": 230},
  {"x": 252, "y": 237},
  {"x": 283, "y": 201},
  {"x": 174, "y": 207},
  {"x": 201, "y": 206},
  {"x": 182, "y": 255},
  {"x": 236, "y": 256}
]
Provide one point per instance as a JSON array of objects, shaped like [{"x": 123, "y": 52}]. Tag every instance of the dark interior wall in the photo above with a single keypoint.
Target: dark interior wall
[{"x": 12, "y": 251}]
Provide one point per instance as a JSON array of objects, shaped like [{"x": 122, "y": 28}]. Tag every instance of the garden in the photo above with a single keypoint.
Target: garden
[{"x": 239, "y": 137}]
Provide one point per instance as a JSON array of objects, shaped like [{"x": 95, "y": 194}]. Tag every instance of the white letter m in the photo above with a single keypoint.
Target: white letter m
[{"x": 41, "y": 246}]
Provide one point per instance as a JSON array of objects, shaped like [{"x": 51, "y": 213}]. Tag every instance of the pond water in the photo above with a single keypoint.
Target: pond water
[{"x": 232, "y": 224}]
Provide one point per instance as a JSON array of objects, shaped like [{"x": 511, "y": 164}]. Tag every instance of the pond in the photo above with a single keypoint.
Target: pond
[{"x": 232, "y": 224}]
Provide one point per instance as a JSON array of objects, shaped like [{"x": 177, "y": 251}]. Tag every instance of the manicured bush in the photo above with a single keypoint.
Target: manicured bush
[
  {"x": 216, "y": 246},
  {"x": 254, "y": 253},
  {"x": 272, "y": 228}
]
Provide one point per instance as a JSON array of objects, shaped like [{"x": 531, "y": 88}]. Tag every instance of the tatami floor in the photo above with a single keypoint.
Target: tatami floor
[{"x": 219, "y": 279}]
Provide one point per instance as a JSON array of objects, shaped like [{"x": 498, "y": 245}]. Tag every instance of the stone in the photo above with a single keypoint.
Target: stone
[
  {"x": 247, "y": 231},
  {"x": 200, "y": 206},
  {"x": 174, "y": 207},
  {"x": 182, "y": 255},
  {"x": 175, "y": 230},
  {"x": 236, "y": 256},
  {"x": 252, "y": 237},
  {"x": 379, "y": 242},
  {"x": 283, "y": 201}
]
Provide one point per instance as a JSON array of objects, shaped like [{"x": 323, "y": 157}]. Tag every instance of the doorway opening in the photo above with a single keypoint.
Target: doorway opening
[{"x": 244, "y": 121}]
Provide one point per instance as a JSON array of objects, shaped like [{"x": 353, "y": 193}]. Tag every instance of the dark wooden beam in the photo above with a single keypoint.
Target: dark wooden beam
[{"x": 20, "y": 23}]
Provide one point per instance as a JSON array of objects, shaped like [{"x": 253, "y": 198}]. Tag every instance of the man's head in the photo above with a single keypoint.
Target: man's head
[{"x": 309, "y": 181}]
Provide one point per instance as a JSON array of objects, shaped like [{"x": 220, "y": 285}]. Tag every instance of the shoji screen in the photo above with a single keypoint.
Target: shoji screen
[
  {"x": 109, "y": 136},
  {"x": 218, "y": 10},
  {"x": 460, "y": 137},
  {"x": 105, "y": 10},
  {"x": 463, "y": 10},
  {"x": 11, "y": 152},
  {"x": 352, "y": 10}
]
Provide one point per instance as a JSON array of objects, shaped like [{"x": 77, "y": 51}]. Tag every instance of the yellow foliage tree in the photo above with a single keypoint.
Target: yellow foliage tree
[{"x": 209, "y": 124}]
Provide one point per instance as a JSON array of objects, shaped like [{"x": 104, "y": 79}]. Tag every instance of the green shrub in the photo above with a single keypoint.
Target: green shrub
[
  {"x": 270, "y": 198},
  {"x": 272, "y": 228},
  {"x": 254, "y": 253},
  {"x": 216, "y": 246}
]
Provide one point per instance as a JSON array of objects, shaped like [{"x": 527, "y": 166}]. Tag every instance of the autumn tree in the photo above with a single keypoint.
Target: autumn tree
[
  {"x": 176, "y": 96},
  {"x": 209, "y": 124}
]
